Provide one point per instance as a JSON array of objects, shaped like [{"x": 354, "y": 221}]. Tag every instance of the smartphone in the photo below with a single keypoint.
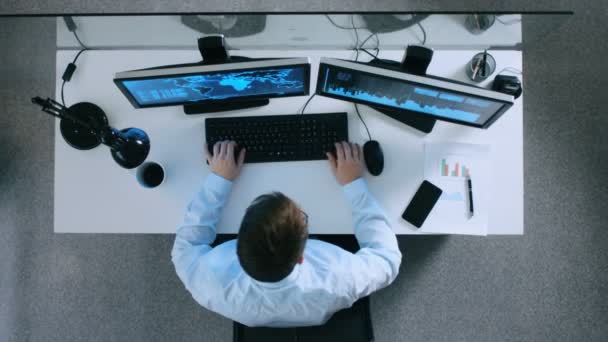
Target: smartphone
[{"x": 421, "y": 205}]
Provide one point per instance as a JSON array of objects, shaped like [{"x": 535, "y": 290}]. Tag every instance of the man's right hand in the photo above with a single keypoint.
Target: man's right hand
[{"x": 347, "y": 164}]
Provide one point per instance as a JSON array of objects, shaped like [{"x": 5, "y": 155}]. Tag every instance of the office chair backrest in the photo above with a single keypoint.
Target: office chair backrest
[{"x": 353, "y": 324}]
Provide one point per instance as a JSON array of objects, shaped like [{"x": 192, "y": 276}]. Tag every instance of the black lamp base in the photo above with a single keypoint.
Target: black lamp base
[{"x": 77, "y": 136}]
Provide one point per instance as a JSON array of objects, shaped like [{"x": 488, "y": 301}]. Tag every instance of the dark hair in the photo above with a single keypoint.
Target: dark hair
[{"x": 271, "y": 238}]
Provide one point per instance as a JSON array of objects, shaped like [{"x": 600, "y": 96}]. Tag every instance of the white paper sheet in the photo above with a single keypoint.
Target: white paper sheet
[{"x": 447, "y": 166}]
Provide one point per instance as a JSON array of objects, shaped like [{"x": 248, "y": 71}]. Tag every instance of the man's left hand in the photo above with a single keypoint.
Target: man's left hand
[{"x": 223, "y": 162}]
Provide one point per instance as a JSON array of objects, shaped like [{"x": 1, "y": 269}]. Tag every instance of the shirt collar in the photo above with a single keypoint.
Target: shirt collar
[{"x": 285, "y": 281}]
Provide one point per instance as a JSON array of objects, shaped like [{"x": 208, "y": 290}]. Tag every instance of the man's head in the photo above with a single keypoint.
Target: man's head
[{"x": 272, "y": 237}]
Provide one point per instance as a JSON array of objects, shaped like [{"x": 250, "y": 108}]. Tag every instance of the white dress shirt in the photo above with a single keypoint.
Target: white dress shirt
[{"x": 328, "y": 280}]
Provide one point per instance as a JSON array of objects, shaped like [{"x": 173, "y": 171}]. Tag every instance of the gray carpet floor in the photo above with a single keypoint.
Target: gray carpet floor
[{"x": 550, "y": 284}]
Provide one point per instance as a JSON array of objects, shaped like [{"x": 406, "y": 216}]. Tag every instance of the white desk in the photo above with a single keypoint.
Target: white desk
[{"x": 94, "y": 195}]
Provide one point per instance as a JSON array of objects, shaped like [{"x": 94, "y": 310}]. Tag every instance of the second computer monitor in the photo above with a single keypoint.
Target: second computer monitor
[
  {"x": 183, "y": 85},
  {"x": 437, "y": 98}
]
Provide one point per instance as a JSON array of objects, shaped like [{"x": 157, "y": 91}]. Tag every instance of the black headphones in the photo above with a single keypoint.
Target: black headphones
[{"x": 508, "y": 85}]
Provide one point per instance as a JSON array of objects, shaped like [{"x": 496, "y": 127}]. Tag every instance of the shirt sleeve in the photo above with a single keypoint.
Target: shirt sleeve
[
  {"x": 376, "y": 264},
  {"x": 197, "y": 231}
]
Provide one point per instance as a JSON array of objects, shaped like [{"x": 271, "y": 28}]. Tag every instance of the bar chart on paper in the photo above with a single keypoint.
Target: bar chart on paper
[
  {"x": 448, "y": 165},
  {"x": 454, "y": 166},
  {"x": 453, "y": 169}
]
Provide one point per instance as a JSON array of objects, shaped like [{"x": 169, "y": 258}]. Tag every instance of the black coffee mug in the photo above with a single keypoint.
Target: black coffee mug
[{"x": 150, "y": 175}]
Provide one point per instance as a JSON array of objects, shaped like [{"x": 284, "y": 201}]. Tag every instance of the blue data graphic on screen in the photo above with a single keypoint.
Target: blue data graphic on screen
[
  {"x": 217, "y": 86},
  {"x": 399, "y": 94}
]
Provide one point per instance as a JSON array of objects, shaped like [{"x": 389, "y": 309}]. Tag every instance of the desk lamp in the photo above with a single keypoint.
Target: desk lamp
[{"x": 84, "y": 126}]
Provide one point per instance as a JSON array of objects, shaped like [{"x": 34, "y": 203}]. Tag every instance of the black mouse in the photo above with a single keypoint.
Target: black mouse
[{"x": 374, "y": 158}]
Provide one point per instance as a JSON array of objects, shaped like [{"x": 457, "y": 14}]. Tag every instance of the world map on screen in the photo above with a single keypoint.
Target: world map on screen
[{"x": 217, "y": 86}]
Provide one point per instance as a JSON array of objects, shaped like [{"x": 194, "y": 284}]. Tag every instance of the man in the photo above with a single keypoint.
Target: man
[{"x": 272, "y": 274}]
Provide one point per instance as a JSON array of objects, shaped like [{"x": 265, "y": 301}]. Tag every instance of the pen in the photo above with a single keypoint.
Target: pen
[
  {"x": 483, "y": 68},
  {"x": 477, "y": 21},
  {"x": 470, "y": 187},
  {"x": 476, "y": 69}
]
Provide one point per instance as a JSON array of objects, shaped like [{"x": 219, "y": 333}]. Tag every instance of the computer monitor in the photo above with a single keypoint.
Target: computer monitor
[
  {"x": 193, "y": 83},
  {"x": 438, "y": 98}
]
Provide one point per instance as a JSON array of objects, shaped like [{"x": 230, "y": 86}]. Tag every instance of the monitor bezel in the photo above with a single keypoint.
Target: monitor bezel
[
  {"x": 189, "y": 70},
  {"x": 439, "y": 84}
]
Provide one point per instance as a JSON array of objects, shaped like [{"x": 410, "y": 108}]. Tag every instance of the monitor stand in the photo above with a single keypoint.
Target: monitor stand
[
  {"x": 213, "y": 49},
  {"x": 415, "y": 62},
  {"x": 222, "y": 106}
]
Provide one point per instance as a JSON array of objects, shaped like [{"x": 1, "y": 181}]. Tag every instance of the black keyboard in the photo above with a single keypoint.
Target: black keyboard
[{"x": 271, "y": 138}]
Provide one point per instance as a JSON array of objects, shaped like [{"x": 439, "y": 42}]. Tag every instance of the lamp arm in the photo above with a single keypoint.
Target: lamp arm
[
  {"x": 58, "y": 110},
  {"x": 113, "y": 138}
]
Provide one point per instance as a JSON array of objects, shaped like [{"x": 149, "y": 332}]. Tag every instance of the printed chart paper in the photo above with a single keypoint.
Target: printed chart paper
[{"x": 447, "y": 165}]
